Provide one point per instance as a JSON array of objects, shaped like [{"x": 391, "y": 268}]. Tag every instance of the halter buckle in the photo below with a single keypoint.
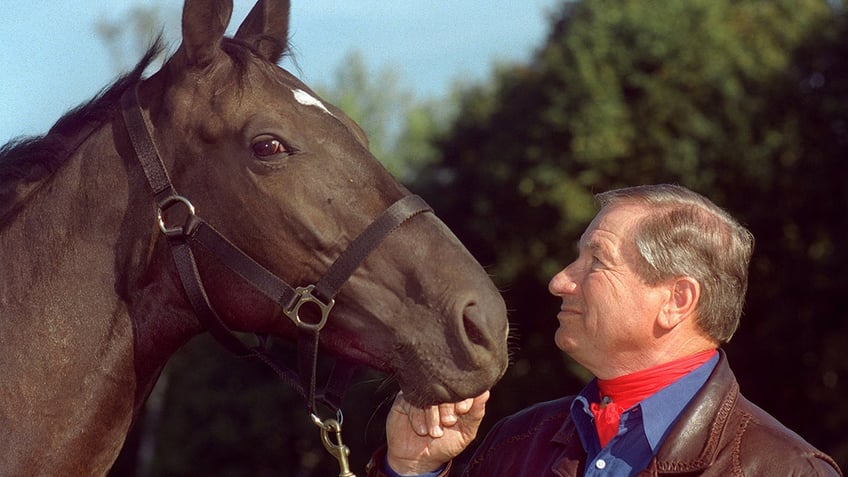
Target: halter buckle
[{"x": 304, "y": 295}]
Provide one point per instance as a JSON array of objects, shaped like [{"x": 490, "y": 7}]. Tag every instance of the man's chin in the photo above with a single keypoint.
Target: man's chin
[{"x": 564, "y": 342}]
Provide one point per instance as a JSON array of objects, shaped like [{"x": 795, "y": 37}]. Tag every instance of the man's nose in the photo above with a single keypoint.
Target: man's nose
[{"x": 563, "y": 282}]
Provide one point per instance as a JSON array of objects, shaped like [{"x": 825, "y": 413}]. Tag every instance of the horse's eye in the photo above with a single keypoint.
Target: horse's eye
[{"x": 269, "y": 147}]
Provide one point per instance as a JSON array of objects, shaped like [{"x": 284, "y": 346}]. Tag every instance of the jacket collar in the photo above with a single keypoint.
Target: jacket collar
[{"x": 692, "y": 442}]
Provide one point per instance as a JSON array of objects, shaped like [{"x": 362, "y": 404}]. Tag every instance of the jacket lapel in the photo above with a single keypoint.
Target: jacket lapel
[{"x": 693, "y": 441}]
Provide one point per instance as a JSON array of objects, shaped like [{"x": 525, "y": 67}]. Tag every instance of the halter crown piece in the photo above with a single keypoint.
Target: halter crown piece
[{"x": 196, "y": 232}]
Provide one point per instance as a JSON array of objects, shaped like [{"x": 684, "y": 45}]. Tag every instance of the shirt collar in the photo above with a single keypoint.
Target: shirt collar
[
  {"x": 659, "y": 412},
  {"x": 582, "y": 417}
]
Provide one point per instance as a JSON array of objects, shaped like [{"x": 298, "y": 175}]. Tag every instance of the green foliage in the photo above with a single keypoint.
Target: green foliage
[
  {"x": 128, "y": 36},
  {"x": 398, "y": 125},
  {"x": 744, "y": 101}
]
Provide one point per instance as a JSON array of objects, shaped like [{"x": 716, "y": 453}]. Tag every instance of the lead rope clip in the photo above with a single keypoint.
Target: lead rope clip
[{"x": 335, "y": 447}]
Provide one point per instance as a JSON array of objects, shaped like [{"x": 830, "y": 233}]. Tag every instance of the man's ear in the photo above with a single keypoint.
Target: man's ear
[{"x": 683, "y": 298}]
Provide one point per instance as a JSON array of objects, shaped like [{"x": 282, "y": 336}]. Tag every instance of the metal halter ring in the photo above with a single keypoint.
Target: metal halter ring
[
  {"x": 304, "y": 295},
  {"x": 166, "y": 204}
]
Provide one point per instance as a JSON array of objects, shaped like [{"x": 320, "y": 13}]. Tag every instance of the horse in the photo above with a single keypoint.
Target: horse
[{"x": 106, "y": 274}]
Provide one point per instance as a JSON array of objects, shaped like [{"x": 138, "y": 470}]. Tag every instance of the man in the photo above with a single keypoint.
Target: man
[{"x": 658, "y": 285}]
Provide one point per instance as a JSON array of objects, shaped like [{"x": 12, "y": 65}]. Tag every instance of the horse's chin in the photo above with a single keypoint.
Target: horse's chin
[
  {"x": 428, "y": 394},
  {"x": 422, "y": 385}
]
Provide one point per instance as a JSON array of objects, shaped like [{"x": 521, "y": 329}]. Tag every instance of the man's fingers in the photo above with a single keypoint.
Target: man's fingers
[
  {"x": 462, "y": 407},
  {"x": 433, "y": 419},
  {"x": 478, "y": 406},
  {"x": 415, "y": 416},
  {"x": 447, "y": 414}
]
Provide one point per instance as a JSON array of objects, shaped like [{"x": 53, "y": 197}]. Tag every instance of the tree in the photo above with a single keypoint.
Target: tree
[
  {"x": 398, "y": 125},
  {"x": 743, "y": 101},
  {"x": 128, "y": 37}
]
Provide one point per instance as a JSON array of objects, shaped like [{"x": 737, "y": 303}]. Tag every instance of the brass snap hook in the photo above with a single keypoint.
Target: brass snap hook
[{"x": 334, "y": 444}]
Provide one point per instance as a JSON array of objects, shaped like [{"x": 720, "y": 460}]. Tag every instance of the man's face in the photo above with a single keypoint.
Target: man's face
[{"x": 607, "y": 316}]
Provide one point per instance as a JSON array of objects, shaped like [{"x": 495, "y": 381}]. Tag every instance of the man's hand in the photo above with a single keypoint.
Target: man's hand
[{"x": 422, "y": 440}]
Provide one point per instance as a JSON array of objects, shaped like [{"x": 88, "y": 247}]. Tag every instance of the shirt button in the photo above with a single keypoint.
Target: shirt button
[{"x": 600, "y": 464}]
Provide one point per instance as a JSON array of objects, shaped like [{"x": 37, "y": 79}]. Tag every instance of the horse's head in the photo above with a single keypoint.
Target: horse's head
[{"x": 289, "y": 179}]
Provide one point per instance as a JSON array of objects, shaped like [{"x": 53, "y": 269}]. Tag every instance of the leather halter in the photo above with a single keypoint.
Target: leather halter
[{"x": 196, "y": 232}]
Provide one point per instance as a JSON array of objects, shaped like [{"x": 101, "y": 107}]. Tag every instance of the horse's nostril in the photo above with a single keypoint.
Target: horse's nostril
[{"x": 471, "y": 318}]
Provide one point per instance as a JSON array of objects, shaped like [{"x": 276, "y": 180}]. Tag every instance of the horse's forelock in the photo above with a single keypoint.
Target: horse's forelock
[{"x": 242, "y": 52}]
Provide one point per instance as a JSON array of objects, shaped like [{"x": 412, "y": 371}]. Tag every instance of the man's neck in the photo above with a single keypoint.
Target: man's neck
[{"x": 629, "y": 363}]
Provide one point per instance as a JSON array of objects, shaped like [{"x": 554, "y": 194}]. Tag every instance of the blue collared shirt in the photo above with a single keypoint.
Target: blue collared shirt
[{"x": 642, "y": 428}]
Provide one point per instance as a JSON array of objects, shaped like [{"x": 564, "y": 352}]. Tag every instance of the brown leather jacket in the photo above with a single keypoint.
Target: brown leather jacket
[{"x": 720, "y": 433}]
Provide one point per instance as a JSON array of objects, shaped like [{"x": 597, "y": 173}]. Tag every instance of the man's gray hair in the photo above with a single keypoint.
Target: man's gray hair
[{"x": 685, "y": 234}]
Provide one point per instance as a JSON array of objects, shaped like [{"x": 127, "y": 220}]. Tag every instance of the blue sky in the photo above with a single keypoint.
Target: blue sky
[{"x": 51, "y": 58}]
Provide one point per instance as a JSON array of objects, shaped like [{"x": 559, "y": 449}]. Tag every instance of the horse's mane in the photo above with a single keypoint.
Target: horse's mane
[
  {"x": 27, "y": 162},
  {"x": 24, "y": 162}
]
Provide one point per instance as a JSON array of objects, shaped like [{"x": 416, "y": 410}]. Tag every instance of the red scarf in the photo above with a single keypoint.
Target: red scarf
[{"x": 620, "y": 394}]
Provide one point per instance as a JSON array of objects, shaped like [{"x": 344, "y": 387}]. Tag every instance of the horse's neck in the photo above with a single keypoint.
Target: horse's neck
[{"x": 71, "y": 264}]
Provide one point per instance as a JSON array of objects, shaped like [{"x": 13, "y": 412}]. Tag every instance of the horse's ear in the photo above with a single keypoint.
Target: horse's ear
[
  {"x": 267, "y": 28},
  {"x": 204, "y": 24}
]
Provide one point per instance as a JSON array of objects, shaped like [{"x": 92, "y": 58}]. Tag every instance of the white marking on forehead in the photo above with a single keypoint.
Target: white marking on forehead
[{"x": 307, "y": 99}]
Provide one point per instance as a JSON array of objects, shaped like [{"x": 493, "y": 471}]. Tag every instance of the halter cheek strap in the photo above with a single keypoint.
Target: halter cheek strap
[{"x": 197, "y": 232}]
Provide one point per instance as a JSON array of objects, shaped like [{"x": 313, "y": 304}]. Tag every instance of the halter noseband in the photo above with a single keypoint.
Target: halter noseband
[{"x": 321, "y": 294}]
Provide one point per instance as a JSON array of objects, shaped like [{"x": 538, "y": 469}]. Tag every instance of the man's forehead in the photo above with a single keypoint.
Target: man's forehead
[
  {"x": 592, "y": 242},
  {"x": 611, "y": 227}
]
